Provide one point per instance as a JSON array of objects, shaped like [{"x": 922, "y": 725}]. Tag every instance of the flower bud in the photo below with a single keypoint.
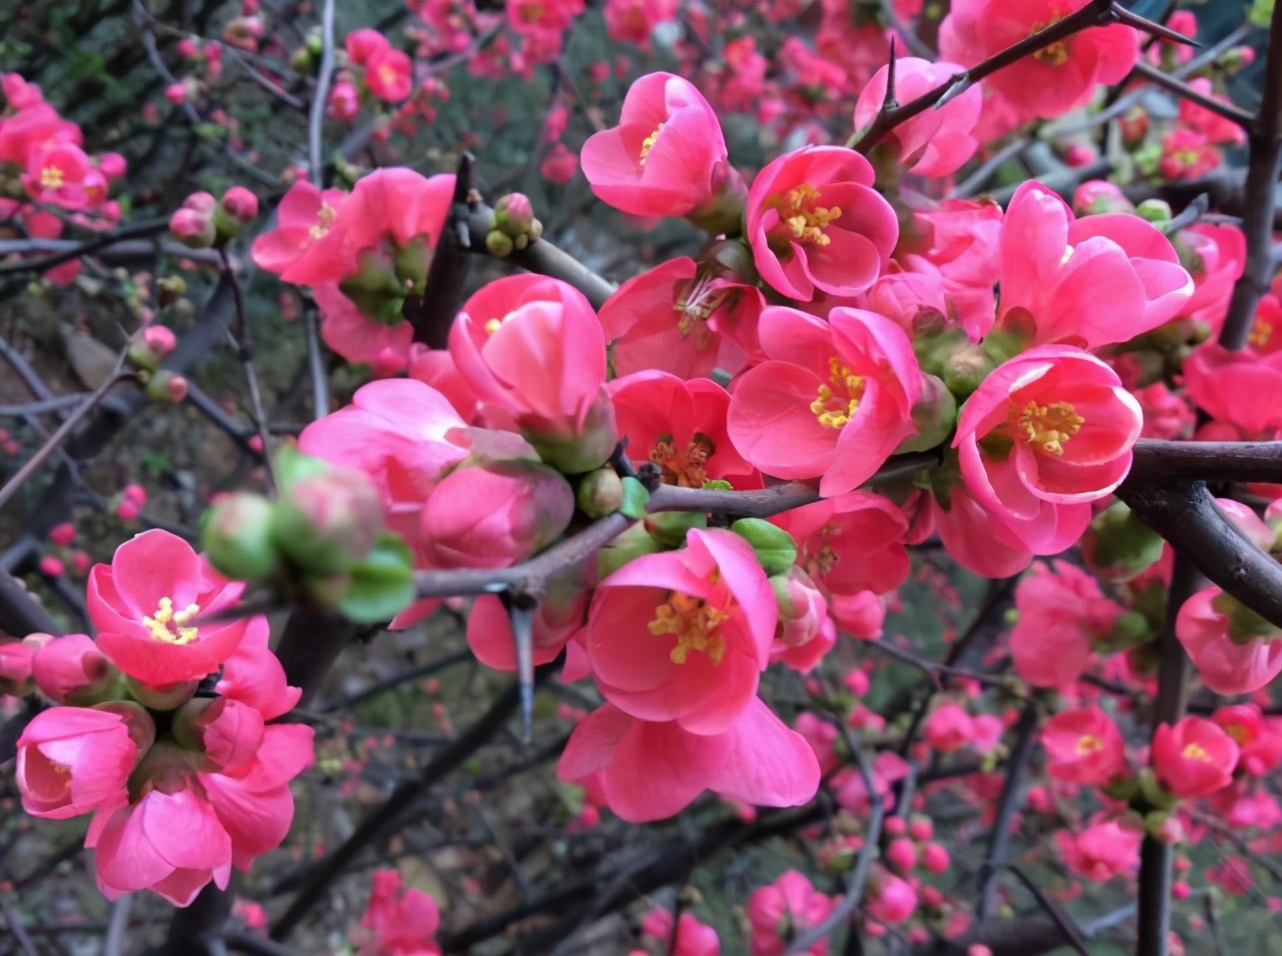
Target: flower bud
[
  {"x": 1117, "y": 546},
  {"x": 1156, "y": 211},
  {"x": 167, "y": 387},
  {"x": 600, "y": 493},
  {"x": 1100, "y": 196},
  {"x": 775, "y": 548},
  {"x": 327, "y": 523},
  {"x": 229, "y": 732},
  {"x": 236, "y": 536},
  {"x": 375, "y": 288},
  {"x": 161, "y": 697},
  {"x": 633, "y": 543},
  {"x": 499, "y": 244},
  {"x": 514, "y": 215},
  {"x": 669, "y": 527},
  {"x": 590, "y": 449},
  {"x": 194, "y": 229},
  {"x": 149, "y": 346},
  {"x": 16, "y": 661},
  {"x": 934, "y": 414},
  {"x": 71, "y": 670}
]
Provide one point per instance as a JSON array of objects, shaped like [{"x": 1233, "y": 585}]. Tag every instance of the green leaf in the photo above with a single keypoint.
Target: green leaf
[
  {"x": 775, "y": 548},
  {"x": 635, "y": 498},
  {"x": 382, "y": 583},
  {"x": 1261, "y": 13}
]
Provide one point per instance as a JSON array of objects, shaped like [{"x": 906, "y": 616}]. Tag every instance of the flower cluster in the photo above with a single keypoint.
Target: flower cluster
[{"x": 160, "y": 727}]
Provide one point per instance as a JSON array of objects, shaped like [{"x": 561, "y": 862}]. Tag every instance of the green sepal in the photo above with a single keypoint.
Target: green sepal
[
  {"x": 382, "y": 582},
  {"x": 635, "y": 499},
  {"x": 775, "y": 548}
]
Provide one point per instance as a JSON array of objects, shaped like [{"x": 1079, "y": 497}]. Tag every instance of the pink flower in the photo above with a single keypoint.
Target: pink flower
[
  {"x": 74, "y": 760},
  {"x": 937, "y": 142},
  {"x": 1083, "y": 746},
  {"x": 683, "y": 317},
  {"x": 558, "y": 619},
  {"x": 396, "y": 923},
  {"x": 1258, "y": 737},
  {"x": 891, "y": 900},
  {"x": 650, "y": 771},
  {"x": 667, "y": 155},
  {"x": 681, "y": 427},
  {"x": 1235, "y": 650},
  {"x": 815, "y": 222},
  {"x": 684, "y": 635},
  {"x": 254, "y": 676},
  {"x": 948, "y": 728},
  {"x": 1061, "y": 614},
  {"x": 1101, "y": 851},
  {"x": 304, "y": 217},
  {"x": 784, "y": 910},
  {"x": 1240, "y": 388},
  {"x": 1058, "y": 78},
  {"x": 494, "y": 515},
  {"x": 404, "y": 436},
  {"x": 1044, "y": 435},
  {"x": 1194, "y": 758},
  {"x": 363, "y": 44},
  {"x": 805, "y": 632},
  {"x": 1187, "y": 154},
  {"x": 72, "y": 670},
  {"x": 388, "y": 75},
  {"x": 834, "y": 400},
  {"x": 351, "y": 334},
  {"x": 632, "y": 21},
  {"x": 1086, "y": 282},
  {"x": 1216, "y": 257},
  {"x": 851, "y": 543},
  {"x": 145, "y": 601},
  {"x": 1216, "y": 128},
  {"x": 533, "y": 348},
  {"x": 16, "y": 661},
  {"x": 691, "y": 938}
]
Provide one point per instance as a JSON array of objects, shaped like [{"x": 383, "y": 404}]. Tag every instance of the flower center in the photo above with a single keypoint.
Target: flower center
[
  {"x": 686, "y": 467},
  {"x": 1053, "y": 54},
  {"x": 1089, "y": 744},
  {"x": 1195, "y": 751},
  {"x": 494, "y": 325},
  {"x": 1261, "y": 333},
  {"x": 836, "y": 403},
  {"x": 699, "y": 300},
  {"x": 806, "y": 221},
  {"x": 647, "y": 144},
  {"x": 1046, "y": 425},
  {"x": 51, "y": 177},
  {"x": 170, "y": 626},
  {"x": 695, "y": 625},
  {"x": 820, "y": 557},
  {"x": 324, "y": 219},
  {"x": 1239, "y": 733},
  {"x": 387, "y": 74}
]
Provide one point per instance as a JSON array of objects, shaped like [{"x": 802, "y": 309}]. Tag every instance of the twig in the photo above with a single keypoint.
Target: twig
[
  {"x": 432, "y": 313},
  {"x": 1154, "y": 895},
  {"x": 1264, "y": 140},
  {"x": 14, "y": 919},
  {"x": 118, "y": 926},
  {"x": 396, "y": 680},
  {"x": 854, "y": 895},
  {"x": 49, "y": 447},
  {"x": 54, "y": 404},
  {"x": 244, "y": 343},
  {"x": 1008, "y": 804},
  {"x": 310, "y": 644},
  {"x": 316, "y": 365},
  {"x": 137, "y": 230},
  {"x": 1181, "y": 89},
  {"x": 316, "y": 118}
]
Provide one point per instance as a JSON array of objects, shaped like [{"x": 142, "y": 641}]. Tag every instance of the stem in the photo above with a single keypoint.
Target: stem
[
  {"x": 1007, "y": 805},
  {"x": 1242, "y": 461},
  {"x": 245, "y": 352},
  {"x": 1264, "y": 166},
  {"x": 138, "y": 230},
  {"x": 316, "y": 118},
  {"x": 56, "y": 439},
  {"x": 1181, "y": 89}
]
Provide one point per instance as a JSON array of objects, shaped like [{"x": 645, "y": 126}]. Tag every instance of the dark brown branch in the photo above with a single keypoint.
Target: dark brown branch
[
  {"x": 1008, "y": 804},
  {"x": 1184, "y": 513},
  {"x": 1181, "y": 89},
  {"x": 137, "y": 230},
  {"x": 1264, "y": 139},
  {"x": 432, "y": 313},
  {"x": 1156, "y": 461}
]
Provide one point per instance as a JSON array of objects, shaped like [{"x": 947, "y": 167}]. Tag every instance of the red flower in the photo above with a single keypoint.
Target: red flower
[
  {"x": 1083, "y": 746},
  {"x": 1194, "y": 758}
]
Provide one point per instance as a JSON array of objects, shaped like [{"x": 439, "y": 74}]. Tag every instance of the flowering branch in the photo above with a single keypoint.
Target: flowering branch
[
  {"x": 432, "y": 313},
  {"x": 244, "y": 344}
]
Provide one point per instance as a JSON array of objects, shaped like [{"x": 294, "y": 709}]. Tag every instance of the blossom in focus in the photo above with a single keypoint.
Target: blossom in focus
[
  {"x": 684, "y": 635},
  {"x": 304, "y": 216},
  {"x": 144, "y": 605},
  {"x": 832, "y": 401},
  {"x": 1046, "y": 434},
  {"x": 815, "y": 223},
  {"x": 666, "y": 157},
  {"x": 1087, "y": 282},
  {"x": 851, "y": 543},
  {"x": 650, "y": 771}
]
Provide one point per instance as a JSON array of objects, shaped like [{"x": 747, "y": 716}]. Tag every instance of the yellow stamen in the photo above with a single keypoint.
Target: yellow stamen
[
  {"x": 804, "y": 219},
  {"x": 819, "y": 559},
  {"x": 1261, "y": 332},
  {"x": 695, "y": 625},
  {"x": 1053, "y": 54},
  {"x": 1089, "y": 744},
  {"x": 51, "y": 177},
  {"x": 493, "y": 325},
  {"x": 647, "y": 144},
  {"x": 324, "y": 219},
  {"x": 686, "y": 468},
  {"x": 695, "y": 305},
  {"x": 169, "y": 626},
  {"x": 1195, "y": 752},
  {"x": 1046, "y": 425},
  {"x": 1239, "y": 733},
  {"x": 846, "y": 398}
]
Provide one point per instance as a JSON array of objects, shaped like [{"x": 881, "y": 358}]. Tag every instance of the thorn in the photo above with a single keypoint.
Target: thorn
[
  {"x": 1151, "y": 27},
  {"x": 520, "y": 610},
  {"x": 890, "y": 103}
]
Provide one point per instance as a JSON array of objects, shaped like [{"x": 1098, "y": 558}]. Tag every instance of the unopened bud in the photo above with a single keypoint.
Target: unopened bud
[
  {"x": 600, "y": 493},
  {"x": 327, "y": 523},
  {"x": 375, "y": 288},
  {"x": 633, "y": 543},
  {"x": 934, "y": 414},
  {"x": 237, "y": 537},
  {"x": 514, "y": 215},
  {"x": 1117, "y": 545},
  {"x": 1156, "y": 211},
  {"x": 669, "y": 527},
  {"x": 499, "y": 244},
  {"x": 149, "y": 346},
  {"x": 775, "y": 548},
  {"x": 166, "y": 386},
  {"x": 194, "y": 229}
]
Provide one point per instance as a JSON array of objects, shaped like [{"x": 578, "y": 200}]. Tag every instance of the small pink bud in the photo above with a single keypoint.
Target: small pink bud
[
  {"x": 135, "y": 493},
  {"x": 63, "y": 534},
  {"x": 50, "y": 566},
  {"x": 1180, "y": 890},
  {"x": 344, "y": 101},
  {"x": 935, "y": 858},
  {"x": 166, "y": 386},
  {"x": 176, "y": 93},
  {"x": 240, "y": 204},
  {"x": 128, "y": 510},
  {"x": 857, "y": 683},
  {"x": 71, "y": 670},
  {"x": 902, "y": 854},
  {"x": 895, "y": 826},
  {"x": 81, "y": 562},
  {"x": 514, "y": 214},
  {"x": 189, "y": 47},
  {"x": 192, "y": 228},
  {"x": 920, "y": 828},
  {"x": 112, "y": 165}
]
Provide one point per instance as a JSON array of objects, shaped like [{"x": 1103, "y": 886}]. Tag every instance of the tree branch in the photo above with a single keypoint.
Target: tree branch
[{"x": 1156, "y": 461}]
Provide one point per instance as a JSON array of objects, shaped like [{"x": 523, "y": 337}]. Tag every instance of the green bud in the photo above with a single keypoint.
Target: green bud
[
  {"x": 1117, "y": 546},
  {"x": 412, "y": 261},
  {"x": 1156, "y": 211},
  {"x": 600, "y": 493},
  {"x": 669, "y": 527},
  {"x": 236, "y": 537},
  {"x": 934, "y": 415},
  {"x": 498, "y": 244},
  {"x": 326, "y": 523},
  {"x": 375, "y": 288},
  {"x": 633, "y": 543},
  {"x": 292, "y": 465},
  {"x": 775, "y": 549},
  {"x": 168, "y": 697}
]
